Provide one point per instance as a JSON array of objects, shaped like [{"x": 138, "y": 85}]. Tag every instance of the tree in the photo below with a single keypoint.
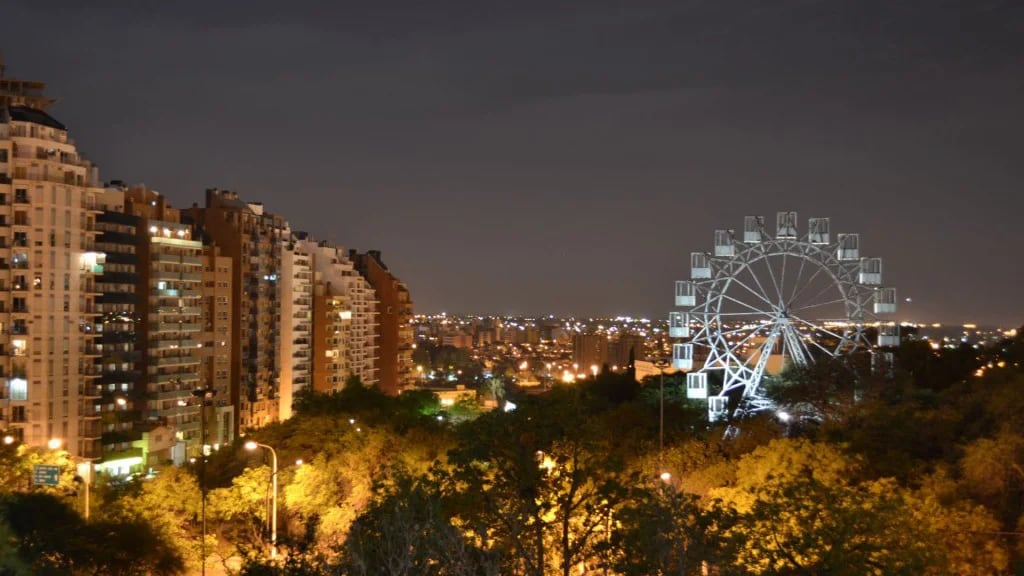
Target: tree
[
  {"x": 242, "y": 508},
  {"x": 51, "y": 538},
  {"x": 662, "y": 531},
  {"x": 535, "y": 486},
  {"x": 993, "y": 472},
  {"x": 170, "y": 505},
  {"x": 800, "y": 509},
  {"x": 406, "y": 532}
]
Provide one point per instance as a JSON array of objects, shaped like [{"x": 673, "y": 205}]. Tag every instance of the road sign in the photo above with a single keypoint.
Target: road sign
[{"x": 45, "y": 475}]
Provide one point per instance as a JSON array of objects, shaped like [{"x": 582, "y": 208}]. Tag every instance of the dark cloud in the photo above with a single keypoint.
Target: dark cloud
[{"x": 566, "y": 157}]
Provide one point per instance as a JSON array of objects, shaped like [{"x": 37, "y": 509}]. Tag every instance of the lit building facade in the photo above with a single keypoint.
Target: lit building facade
[
  {"x": 395, "y": 338},
  {"x": 296, "y": 320},
  {"x": 123, "y": 394},
  {"x": 216, "y": 343},
  {"x": 251, "y": 238},
  {"x": 344, "y": 321},
  {"x": 48, "y": 270},
  {"x": 170, "y": 267}
]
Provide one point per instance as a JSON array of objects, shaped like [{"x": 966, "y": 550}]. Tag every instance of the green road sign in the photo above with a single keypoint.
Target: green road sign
[{"x": 45, "y": 475}]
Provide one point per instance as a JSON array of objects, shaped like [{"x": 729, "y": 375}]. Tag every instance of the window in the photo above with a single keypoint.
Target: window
[{"x": 19, "y": 389}]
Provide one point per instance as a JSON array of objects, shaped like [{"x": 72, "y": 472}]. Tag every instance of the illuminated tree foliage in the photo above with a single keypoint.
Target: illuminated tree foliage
[{"x": 50, "y": 538}]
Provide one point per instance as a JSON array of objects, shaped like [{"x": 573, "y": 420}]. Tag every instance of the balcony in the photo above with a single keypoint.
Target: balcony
[
  {"x": 172, "y": 394},
  {"x": 91, "y": 429},
  {"x": 182, "y": 310},
  {"x": 166, "y": 361},
  {"x": 89, "y": 391},
  {"x": 174, "y": 327},
  {"x": 176, "y": 377}
]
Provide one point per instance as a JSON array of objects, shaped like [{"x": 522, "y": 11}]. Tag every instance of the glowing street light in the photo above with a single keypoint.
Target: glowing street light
[
  {"x": 250, "y": 446},
  {"x": 83, "y": 468},
  {"x": 8, "y": 440}
]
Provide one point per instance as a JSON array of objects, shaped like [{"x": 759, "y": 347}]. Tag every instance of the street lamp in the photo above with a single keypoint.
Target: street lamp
[
  {"x": 55, "y": 444},
  {"x": 661, "y": 364},
  {"x": 250, "y": 446},
  {"x": 205, "y": 397}
]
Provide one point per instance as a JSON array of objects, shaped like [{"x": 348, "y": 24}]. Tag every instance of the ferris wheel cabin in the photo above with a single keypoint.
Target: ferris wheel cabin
[
  {"x": 682, "y": 356},
  {"x": 724, "y": 243},
  {"x": 785, "y": 226},
  {"x": 700, "y": 267},
  {"x": 679, "y": 324},
  {"x": 849, "y": 247},
  {"x": 753, "y": 229},
  {"x": 817, "y": 231},
  {"x": 870, "y": 271},
  {"x": 697, "y": 385},
  {"x": 686, "y": 293}
]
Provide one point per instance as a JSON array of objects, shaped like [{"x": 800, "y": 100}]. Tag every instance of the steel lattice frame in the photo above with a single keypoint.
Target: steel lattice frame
[{"x": 745, "y": 307}]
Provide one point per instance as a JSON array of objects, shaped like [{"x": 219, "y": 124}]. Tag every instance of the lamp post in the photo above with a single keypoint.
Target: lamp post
[
  {"x": 55, "y": 444},
  {"x": 205, "y": 397},
  {"x": 661, "y": 364},
  {"x": 252, "y": 445}
]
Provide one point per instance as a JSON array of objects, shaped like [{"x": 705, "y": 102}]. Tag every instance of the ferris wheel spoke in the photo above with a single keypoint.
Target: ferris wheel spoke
[
  {"x": 801, "y": 289},
  {"x": 754, "y": 292},
  {"x": 782, "y": 279},
  {"x": 796, "y": 285},
  {"x": 824, "y": 290},
  {"x": 744, "y": 304},
  {"x": 750, "y": 270},
  {"x": 748, "y": 337},
  {"x": 771, "y": 273},
  {"x": 816, "y": 327},
  {"x": 738, "y": 330},
  {"x": 820, "y": 304}
]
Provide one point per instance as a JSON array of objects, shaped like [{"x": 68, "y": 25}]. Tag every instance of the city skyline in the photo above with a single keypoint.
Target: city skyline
[{"x": 530, "y": 160}]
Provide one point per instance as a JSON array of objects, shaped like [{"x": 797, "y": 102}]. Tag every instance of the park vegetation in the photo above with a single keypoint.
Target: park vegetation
[{"x": 914, "y": 470}]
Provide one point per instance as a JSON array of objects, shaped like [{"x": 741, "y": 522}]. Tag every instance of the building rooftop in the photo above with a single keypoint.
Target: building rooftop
[{"x": 26, "y": 114}]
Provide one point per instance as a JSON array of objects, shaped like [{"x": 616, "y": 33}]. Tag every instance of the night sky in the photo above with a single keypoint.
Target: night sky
[{"x": 533, "y": 157}]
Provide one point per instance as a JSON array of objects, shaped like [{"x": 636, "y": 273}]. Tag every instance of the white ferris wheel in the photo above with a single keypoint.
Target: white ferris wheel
[{"x": 759, "y": 303}]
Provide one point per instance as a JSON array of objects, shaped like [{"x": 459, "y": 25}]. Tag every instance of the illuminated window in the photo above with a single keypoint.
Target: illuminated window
[{"x": 19, "y": 389}]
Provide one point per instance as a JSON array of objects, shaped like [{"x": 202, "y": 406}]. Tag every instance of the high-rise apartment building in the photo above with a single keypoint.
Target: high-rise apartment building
[
  {"x": 170, "y": 279},
  {"x": 122, "y": 392},
  {"x": 296, "y": 320},
  {"x": 589, "y": 351},
  {"x": 216, "y": 343},
  {"x": 344, "y": 321},
  {"x": 251, "y": 238},
  {"x": 48, "y": 269},
  {"x": 395, "y": 338}
]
